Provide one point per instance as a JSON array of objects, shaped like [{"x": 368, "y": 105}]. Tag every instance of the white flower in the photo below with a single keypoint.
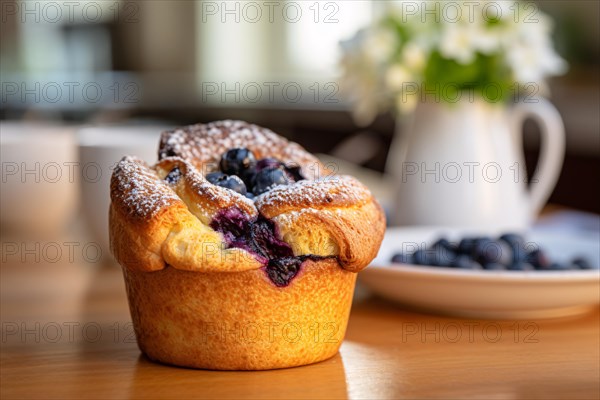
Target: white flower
[
  {"x": 376, "y": 74},
  {"x": 414, "y": 56},
  {"x": 533, "y": 64},
  {"x": 486, "y": 40},
  {"x": 530, "y": 54},
  {"x": 380, "y": 45},
  {"x": 457, "y": 43},
  {"x": 535, "y": 33},
  {"x": 396, "y": 76},
  {"x": 462, "y": 40},
  {"x": 524, "y": 64}
]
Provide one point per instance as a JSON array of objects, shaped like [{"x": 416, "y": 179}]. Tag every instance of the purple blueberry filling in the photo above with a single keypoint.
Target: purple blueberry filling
[
  {"x": 264, "y": 241},
  {"x": 282, "y": 270},
  {"x": 260, "y": 237},
  {"x": 233, "y": 224}
]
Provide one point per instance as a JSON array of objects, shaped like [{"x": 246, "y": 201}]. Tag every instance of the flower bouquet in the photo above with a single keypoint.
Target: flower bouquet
[{"x": 495, "y": 50}]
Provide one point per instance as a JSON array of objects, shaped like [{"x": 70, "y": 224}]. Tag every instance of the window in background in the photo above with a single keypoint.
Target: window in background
[
  {"x": 275, "y": 54},
  {"x": 60, "y": 57}
]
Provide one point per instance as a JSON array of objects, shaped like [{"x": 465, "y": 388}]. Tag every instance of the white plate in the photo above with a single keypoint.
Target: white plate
[{"x": 487, "y": 294}]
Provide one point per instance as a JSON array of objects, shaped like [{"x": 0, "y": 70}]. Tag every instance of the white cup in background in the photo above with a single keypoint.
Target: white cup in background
[
  {"x": 39, "y": 177},
  {"x": 100, "y": 148}
]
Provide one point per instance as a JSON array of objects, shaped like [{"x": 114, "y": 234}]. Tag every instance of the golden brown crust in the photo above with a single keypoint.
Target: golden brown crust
[
  {"x": 324, "y": 194},
  {"x": 352, "y": 233},
  {"x": 147, "y": 232},
  {"x": 204, "y": 199},
  {"x": 186, "y": 319},
  {"x": 142, "y": 214},
  {"x": 185, "y": 309},
  {"x": 203, "y": 144},
  {"x": 154, "y": 223},
  {"x": 333, "y": 216}
]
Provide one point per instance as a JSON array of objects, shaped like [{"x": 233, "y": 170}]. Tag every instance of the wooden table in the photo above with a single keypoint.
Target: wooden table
[{"x": 66, "y": 334}]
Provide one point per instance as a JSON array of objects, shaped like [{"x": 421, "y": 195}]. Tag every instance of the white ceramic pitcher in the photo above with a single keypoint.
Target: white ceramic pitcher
[{"x": 462, "y": 165}]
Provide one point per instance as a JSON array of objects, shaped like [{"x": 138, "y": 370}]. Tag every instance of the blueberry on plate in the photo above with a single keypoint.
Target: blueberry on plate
[
  {"x": 487, "y": 251},
  {"x": 506, "y": 253},
  {"x": 520, "y": 266},
  {"x": 233, "y": 183},
  {"x": 516, "y": 243},
  {"x": 401, "y": 258},
  {"x": 513, "y": 239},
  {"x": 268, "y": 178},
  {"x": 444, "y": 252},
  {"x": 581, "y": 263},
  {"x": 444, "y": 243},
  {"x": 442, "y": 256},
  {"x": 493, "y": 266},
  {"x": 463, "y": 261},
  {"x": 538, "y": 259},
  {"x": 432, "y": 257},
  {"x": 173, "y": 176},
  {"x": 422, "y": 257},
  {"x": 558, "y": 267},
  {"x": 236, "y": 161},
  {"x": 466, "y": 245}
]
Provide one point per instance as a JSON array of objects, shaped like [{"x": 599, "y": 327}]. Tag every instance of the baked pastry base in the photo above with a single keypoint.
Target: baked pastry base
[{"x": 240, "y": 320}]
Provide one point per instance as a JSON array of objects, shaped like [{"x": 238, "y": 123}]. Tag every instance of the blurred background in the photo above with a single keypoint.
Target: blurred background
[
  {"x": 177, "y": 62},
  {"x": 85, "y": 82}
]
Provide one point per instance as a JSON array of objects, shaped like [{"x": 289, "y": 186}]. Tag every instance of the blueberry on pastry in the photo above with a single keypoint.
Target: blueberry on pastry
[{"x": 239, "y": 248}]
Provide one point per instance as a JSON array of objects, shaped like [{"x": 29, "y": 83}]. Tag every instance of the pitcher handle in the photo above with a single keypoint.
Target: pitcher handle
[{"x": 552, "y": 150}]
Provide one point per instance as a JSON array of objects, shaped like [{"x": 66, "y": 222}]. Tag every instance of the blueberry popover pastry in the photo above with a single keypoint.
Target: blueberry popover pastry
[{"x": 239, "y": 248}]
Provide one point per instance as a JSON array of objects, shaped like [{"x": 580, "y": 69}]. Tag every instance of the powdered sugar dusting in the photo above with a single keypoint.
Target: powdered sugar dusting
[
  {"x": 291, "y": 216},
  {"x": 139, "y": 189},
  {"x": 210, "y": 198},
  {"x": 142, "y": 193},
  {"x": 203, "y": 144},
  {"x": 340, "y": 189}
]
